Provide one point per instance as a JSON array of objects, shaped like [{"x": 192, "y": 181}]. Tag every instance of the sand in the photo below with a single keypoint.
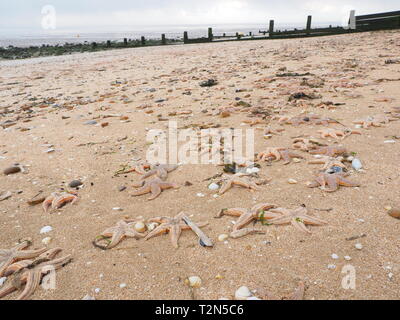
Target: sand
[{"x": 275, "y": 261}]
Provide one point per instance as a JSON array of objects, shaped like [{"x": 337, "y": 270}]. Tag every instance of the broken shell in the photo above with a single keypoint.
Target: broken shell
[
  {"x": 140, "y": 227},
  {"x": 223, "y": 237},
  {"x": 152, "y": 226},
  {"x": 243, "y": 293},
  {"x": 194, "y": 282},
  {"x": 395, "y": 213},
  {"x": 5, "y": 195},
  {"x": 46, "y": 241},
  {"x": 46, "y": 229}
]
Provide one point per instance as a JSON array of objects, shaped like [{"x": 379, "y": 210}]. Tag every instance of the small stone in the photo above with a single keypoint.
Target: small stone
[
  {"x": 46, "y": 241},
  {"x": 356, "y": 164},
  {"x": 12, "y": 170},
  {"x": 388, "y": 208},
  {"x": 213, "y": 186},
  {"x": 223, "y": 237},
  {"x": 97, "y": 290},
  {"x": 140, "y": 227},
  {"x": 292, "y": 181},
  {"x": 296, "y": 160},
  {"x": 118, "y": 209},
  {"x": 395, "y": 213},
  {"x": 122, "y": 188},
  {"x": 152, "y": 226},
  {"x": 104, "y": 124},
  {"x": 219, "y": 277},
  {"x": 90, "y": 123},
  {"x": 347, "y": 258},
  {"x": 46, "y": 229},
  {"x": 243, "y": 293},
  {"x": 5, "y": 195},
  {"x": 358, "y": 246},
  {"x": 123, "y": 285},
  {"x": 201, "y": 195},
  {"x": 75, "y": 184},
  {"x": 225, "y": 114},
  {"x": 335, "y": 256},
  {"x": 194, "y": 282}
]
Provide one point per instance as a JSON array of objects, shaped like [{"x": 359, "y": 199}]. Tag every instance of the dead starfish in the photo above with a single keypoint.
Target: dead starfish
[
  {"x": 375, "y": 121},
  {"x": 336, "y": 134},
  {"x": 123, "y": 229},
  {"x": 329, "y": 162},
  {"x": 297, "y": 217},
  {"x": 160, "y": 170},
  {"x": 10, "y": 256},
  {"x": 306, "y": 118},
  {"x": 277, "y": 154},
  {"x": 154, "y": 186},
  {"x": 173, "y": 226},
  {"x": 139, "y": 168},
  {"x": 238, "y": 179},
  {"x": 330, "y": 182},
  {"x": 31, "y": 272},
  {"x": 57, "y": 200},
  {"x": 245, "y": 217},
  {"x": 298, "y": 294},
  {"x": 330, "y": 151},
  {"x": 304, "y": 144},
  {"x": 269, "y": 131}
]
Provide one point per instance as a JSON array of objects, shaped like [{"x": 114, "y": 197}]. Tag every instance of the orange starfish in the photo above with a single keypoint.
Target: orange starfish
[
  {"x": 57, "y": 200},
  {"x": 277, "y": 154},
  {"x": 330, "y": 151},
  {"x": 154, "y": 186},
  {"x": 330, "y": 182},
  {"x": 238, "y": 179}
]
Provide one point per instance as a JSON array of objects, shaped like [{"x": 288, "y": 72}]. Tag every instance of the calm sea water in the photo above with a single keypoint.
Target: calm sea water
[{"x": 175, "y": 32}]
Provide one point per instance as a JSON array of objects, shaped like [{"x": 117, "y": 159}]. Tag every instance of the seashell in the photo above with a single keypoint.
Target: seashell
[
  {"x": 152, "y": 226},
  {"x": 194, "y": 282},
  {"x": 395, "y": 213},
  {"x": 46, "y": 229},
  {"x": 358, "y": 246},
  {"x": 213, "y": 186},
  {"x": 140, "y": 227},
  {"x": 356, "y": 164},
  {"x": 243, "y": 293},
  {"x": 292, "y": 181},
  {"x": 46, "y": 241},
  {"x": 75, "y": 184},
  {"x": 223, "y": 237}
]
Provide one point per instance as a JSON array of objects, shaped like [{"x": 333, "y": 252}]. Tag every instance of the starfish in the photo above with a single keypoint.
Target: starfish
[
  {"x": 246, "y": 216},
  {"x": 298, "y": 294},
  {"x": 173, "y": 226},
  {"x": 306, "y": 144},
  {"x": 330, "y": 151},
  {"x": 154, "y": 186},
  {"x": 336, "y": 134},
  {"x": 329, "y": 162},
  {"x": 10, "y": 256},
  {"x": 238, "y": 179},
  {"x": 31, "y": 272},
  {"x": 254, "y": 122},
  {"x": 160, "y": 170},
  {"x": 306, "y": 118},
  {"x": 278, "y": 154},
  {"x": 123, "y": 229},
  {"x": 58, "y": 200},
  {"x": 297, "y": 217},
  {"x": 375, "y": 121},
  {"x": 139, "y": 168},
  {"x": 270, "y": 131},
  {"x": 330, "y": 182}
]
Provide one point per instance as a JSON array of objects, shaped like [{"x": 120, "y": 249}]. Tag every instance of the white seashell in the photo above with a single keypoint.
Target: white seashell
[
  {"x": 347, "y": 258},
  {"x": 46, "y": 229},
  {"x": 152, "y": 226},
  {"x": 292, "y": 181},
  {"x": 46, "y": 241},
  {"x": 122, "y": 285},
  {"x": 331, "y": 266},
  {"x": 335, "y": 256},
  {"x": 223, "y": 237},
  {"x": 356, "y": 164},
  {"x": 243, "y": 293},
  {"x": 359, "y": 246},
  {"x": 389, "y": 141},
  {"x": 194, "y": 282},
  {"x": 201, "y": 195},
  {"x": 213, "y": 186},
  {"x": 140, "y": 227}
]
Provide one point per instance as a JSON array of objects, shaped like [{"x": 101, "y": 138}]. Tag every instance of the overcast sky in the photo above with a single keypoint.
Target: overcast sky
[{"x": 101, "y": 14}]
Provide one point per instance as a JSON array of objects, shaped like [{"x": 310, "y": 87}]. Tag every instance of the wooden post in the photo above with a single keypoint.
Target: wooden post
[
  {"x": 143, "y": 41},
  {"x": 163, "y": 39},
  {"x": 250, "y": 34},
  {"x": 224, "y": 34},
  {"x": 210, "y": 34},
  {"x": 309, "y": 18},
  {"x": 125, "y": 41},
  {"x": 185, "y": 37},
  {"x": 94, "y": 45},
  {"x": 108, "y": 43},
  {"x": 271, "y": 28}
]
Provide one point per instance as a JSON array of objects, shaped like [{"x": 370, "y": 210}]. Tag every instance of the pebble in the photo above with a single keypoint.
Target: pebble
[
  {"x": 194, "y": 282},
  {"x": 358, "y": 246},
  {"x": 46, "y": 241},
  {"x": 12, "y": 170},
  {"x": 213, "y": 186},
  {"x": 2, "y": 281},
  {"x": 223, "y": 237},
  {"x": 46, "y": 229},
  {"x": 243, "y": 293},
  {"x": 97, "y": 290},
  {"x": 5, "y": 195},
  {"x": 395, "y": 213},
  {"x": 122, "y": 285},
  {"x": 122, "y": 188},
  {"x": 91, "y": 122},
  {"x": 389, "y": 141},
  {"x": 292, "y": 181},
  {"x": 335, "y": 256},
  {"x": 347, "y": 258},
  {"x": 118, "y": 209},
  {"x": 201, "y": 195},
  {"x": 75, "y": 184}
]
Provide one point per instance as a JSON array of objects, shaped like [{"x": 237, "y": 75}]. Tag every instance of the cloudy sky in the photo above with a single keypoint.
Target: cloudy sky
[{"x": 91, "y": 15}]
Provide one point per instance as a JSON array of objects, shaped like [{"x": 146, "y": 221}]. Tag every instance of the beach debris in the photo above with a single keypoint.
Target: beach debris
[
  {"x": 330, "y": 182},
  {"x": 154, "y": 186},
  {"x": 213, "y": 186},
  {"x": 30, "y": 273},
  {"x": 336, "y": 133},
  {"x": 395, "y": 213},
  {"x": 75, "y": 184},
  {"x": 208, "y": 83},
  {"x": 243, "y": 293},
  {"x": 114, "y": 235},
  {"x": 374, "y": 121},
  {"x": 204, "y": 240},
  {"x": 296, "y": 217},
  {"x": 258, "y": 212},
  {"x": 46, "y": 229},
  {"x": 193, "y": 282},
  {"x": 17, "y": 253},
  {"x": 5, "y": 195},
  {"x": 16, "y": 168},
  {"x": 238, "y": 179},
  {"x": 37, "y": 199},
  {"x": 173, "y": 226},
  {"x": 57, "y": 200},
  {"x": 276, "y": 154}
]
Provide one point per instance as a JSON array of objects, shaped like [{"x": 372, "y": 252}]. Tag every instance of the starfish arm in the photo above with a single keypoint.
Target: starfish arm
[
  {"x": 144, "y": 190},
  {"x": 8, "y": 289},
  {"x": 116, "y": 238},
  {"x": 234, "y": 212},
  {"x": 32, "y": 283},
  {"x": 155, "y": 191},
  {"x": 299, "y": 225},
  {"x": 244, "y": 232},
  {"x": 244, "y": 220},
  {"x": 162, "y": 173},
  {"x": 163, "y": 228},
  {"x": 28, "y": 254},
  {"x": 148, "y": 174},
  {"x": 108, "y": 233},
  {"x": 57, "y": 263},
  {"x": 175, "y": 233},
  {"x": 312, "y": 220},
  {"x": 332, "y": 184},
  {"x": 133, "y": 234},
  {"x": 167, "y": 185},
  {"x": 346, "y": 183},
  {"x": 139, "y": 184},
  {"x": 280, "y": 220},
  {"x": 226, "y": 187},
  {"x": 4, "y": 265}
]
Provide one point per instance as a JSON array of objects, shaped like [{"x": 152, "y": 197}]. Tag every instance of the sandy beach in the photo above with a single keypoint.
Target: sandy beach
[{"x": 82, "y": 117}]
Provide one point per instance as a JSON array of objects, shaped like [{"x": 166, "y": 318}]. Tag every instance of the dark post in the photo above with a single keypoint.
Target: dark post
[
  {"x": 224, "y": 34},
  {"x": 271, "y": 28},
  {"x": 108, "y": 43},
  {"x": 210, "y": 34},
  {"x": 237, "y": 35},
  {"x": 125, "y": 41},
  {"x": 163, "y": 39},
  {"x": 309, "y": 18},
  {"x": 185, "y": 37},
  {"x": 94, "y": 45},
  {"x": 143, "y": 41}
]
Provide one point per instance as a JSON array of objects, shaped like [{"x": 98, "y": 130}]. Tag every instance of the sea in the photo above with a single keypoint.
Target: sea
[{"x": 59, "y": 37}]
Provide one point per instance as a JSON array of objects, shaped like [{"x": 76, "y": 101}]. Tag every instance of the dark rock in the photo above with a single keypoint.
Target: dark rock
[{"x": 75, "y": 184}]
